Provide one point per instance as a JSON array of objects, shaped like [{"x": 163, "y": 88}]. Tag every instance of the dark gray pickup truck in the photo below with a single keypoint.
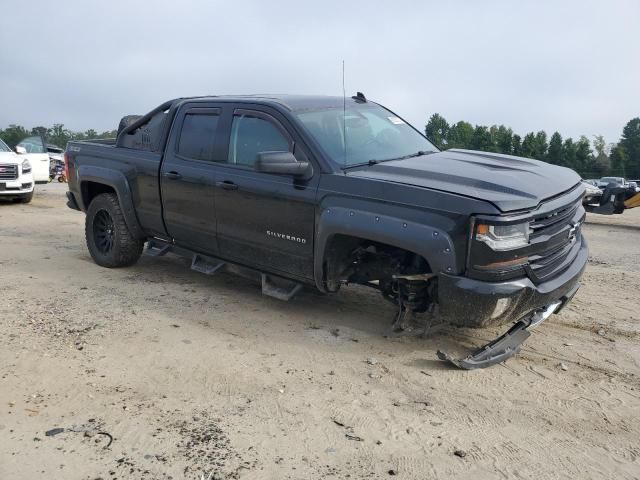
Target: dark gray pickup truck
[{"x": 327, "y": 191}]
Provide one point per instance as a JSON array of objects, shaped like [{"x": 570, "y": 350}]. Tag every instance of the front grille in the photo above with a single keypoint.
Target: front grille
[
  {"x": 555, "y": 239},
  {"x": 8, "y": 172}
]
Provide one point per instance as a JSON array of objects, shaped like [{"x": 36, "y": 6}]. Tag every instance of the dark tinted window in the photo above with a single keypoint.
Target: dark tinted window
[
  {"x": 198, "y": 136},
  {"x": 251, "y": 135}
]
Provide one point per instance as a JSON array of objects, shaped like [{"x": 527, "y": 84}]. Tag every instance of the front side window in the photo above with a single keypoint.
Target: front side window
[
  {"x": 197, "y": 138},
  {"x": 4, "y": 147},
  {"x": 362, "y": 133},
  {"x": 33, "y": 145},
  {"x": 252, "y": 134}
]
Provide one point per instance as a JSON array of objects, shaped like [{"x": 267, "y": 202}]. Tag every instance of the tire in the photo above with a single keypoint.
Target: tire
[
  {"x": 27, "y": 198},
  {"x": 126, "y": 121},
  {"x": 109, "y": 241}
]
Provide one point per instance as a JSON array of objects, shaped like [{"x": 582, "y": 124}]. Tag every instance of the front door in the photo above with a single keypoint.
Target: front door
[
  {"x": 38, "y": 157},
  {"x": 264, "y": 220},
  {"x": 187, "y": 178}
]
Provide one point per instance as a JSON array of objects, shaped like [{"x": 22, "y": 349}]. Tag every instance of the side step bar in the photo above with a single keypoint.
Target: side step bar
[
  {"x": 279, "y": 287},
  {"x": 156, "y": 249},
  {"x": 206, "y": 265},
  {"x": 272, "y": 285}
]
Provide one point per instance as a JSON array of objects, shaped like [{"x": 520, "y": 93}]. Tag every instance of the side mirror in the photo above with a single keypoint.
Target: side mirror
[
  {"x": 282, "y": 163},
  {"x": 20, "y": 150}
]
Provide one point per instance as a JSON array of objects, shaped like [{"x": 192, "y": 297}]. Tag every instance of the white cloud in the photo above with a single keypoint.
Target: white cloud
[{"x": 570, "y": 66}]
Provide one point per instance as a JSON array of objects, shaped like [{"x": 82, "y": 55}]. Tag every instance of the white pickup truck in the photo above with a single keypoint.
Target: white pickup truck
[{"x": 16, "y": 175}]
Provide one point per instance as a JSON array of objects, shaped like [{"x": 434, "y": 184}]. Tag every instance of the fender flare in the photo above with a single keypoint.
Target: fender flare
[
  {"x": 432, "y": 243},
  {"x": 118, "y": 181}
]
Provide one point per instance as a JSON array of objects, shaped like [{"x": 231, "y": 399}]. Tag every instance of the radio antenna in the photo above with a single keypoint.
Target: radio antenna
[{"x": 344, "y": 118}]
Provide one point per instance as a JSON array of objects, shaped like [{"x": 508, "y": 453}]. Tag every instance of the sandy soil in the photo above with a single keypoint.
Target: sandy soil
[{"x": 158, "y": 372}]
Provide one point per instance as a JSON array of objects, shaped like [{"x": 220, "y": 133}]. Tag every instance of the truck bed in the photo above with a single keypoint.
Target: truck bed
[{"x": 132, "y": 171}]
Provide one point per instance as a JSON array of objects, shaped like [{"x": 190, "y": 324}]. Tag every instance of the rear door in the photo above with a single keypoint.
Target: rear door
[
  {"x": 187, "y": 177},
  {"x": 38, "y": 157},
  {"x": 264, "y": 220}
]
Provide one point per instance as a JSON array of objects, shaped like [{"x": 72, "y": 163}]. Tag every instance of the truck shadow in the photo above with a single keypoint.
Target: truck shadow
[{"x": 353, "y": 314}]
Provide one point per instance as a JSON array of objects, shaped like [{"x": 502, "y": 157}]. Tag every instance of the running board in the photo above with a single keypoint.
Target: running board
[
  {"x": 206, "y": 265},
  {"x": 156, "y": 249},
  {"x": 506, "y": 345},
  {"x": 272, "y": 285},
  {"x": 279, "y": 287}
]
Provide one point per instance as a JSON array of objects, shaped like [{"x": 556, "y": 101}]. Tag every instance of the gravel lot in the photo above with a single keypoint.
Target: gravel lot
[{"x": 158, "y": 372}]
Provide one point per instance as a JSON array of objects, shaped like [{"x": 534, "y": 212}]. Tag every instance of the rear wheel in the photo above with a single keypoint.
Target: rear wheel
[{"x": 108, "y": 238}]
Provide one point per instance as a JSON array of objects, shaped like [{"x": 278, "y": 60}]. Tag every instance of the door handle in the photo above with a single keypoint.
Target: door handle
[
  {"x": 172, "y": 175},
  {"x": 227, "y": 185}
]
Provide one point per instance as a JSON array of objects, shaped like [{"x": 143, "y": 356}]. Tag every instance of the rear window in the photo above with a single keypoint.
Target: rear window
[{"x": 197, "y": 137}]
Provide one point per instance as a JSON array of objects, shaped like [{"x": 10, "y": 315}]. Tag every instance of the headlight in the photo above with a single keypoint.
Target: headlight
[
  {"x": 26, "y": 167},
  {"x": 503, "y": 237}
]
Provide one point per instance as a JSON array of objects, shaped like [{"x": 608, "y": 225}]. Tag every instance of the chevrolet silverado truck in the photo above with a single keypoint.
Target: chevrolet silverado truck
[{"x": 330, "y": 191}]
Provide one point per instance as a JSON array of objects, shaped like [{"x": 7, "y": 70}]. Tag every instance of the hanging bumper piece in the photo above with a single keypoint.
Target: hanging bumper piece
[{"x": 506, "y": 345}]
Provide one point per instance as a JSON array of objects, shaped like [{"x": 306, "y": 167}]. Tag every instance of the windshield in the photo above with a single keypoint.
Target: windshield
[
  {"x": 4, "y": 147},
  {"x": 372, "y": 133}
]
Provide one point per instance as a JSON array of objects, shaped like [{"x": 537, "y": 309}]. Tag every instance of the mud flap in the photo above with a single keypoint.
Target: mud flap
[{"x": 507, "y": 344}]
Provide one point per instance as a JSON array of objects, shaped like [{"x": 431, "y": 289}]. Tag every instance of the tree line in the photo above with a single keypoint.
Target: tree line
[
  {"x": 56, "y": 135},
  {"x": 621, "y": 159}
]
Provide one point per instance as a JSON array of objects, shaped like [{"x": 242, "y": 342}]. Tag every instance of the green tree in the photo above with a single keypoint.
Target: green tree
[
  {"x": 437, "y": 130},
  {"x": 630, "y": 142},
  {"x": 502, "y": 139},
  {"x": 460, "y": 135},
  {"x": 569, "y": 153},
  {"x": 600, "y": 145},
  {"x": 618, "y": 160},
  {"x": 40, "y": 131},
  {"x": 527, "y": 149},
  {"x": 516, "y": 145},
  {"x": 584, "y": 157},
  {"x": 13, "y": 134},
  {"x": 555, "y": 152},
  {"x": 540, "y": 146},
  {"x": 481, "y": 139}
]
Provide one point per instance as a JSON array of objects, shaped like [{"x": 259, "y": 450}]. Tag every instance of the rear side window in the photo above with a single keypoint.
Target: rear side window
[
  {"x": 252, "y": 134},
  {"x": 198, "y": 135}
]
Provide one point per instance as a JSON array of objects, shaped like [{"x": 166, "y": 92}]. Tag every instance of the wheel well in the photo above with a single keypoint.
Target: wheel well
[
  {"x": 90, "y": 190},
  {"x": 359, "y": 260}
]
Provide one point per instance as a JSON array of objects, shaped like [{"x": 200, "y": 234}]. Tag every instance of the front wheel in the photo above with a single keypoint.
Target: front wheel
[
  {"x": 109, "y": 240},
  {"x": 27, "y": 197}
]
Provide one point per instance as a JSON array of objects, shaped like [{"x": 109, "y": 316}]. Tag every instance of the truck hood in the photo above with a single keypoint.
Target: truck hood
[
  {"x": 9, "y": 158},
  {"x": 510, "y": 183}
]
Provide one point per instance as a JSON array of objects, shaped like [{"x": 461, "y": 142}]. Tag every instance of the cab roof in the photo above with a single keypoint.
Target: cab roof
[{"x": 294, "y": 103}]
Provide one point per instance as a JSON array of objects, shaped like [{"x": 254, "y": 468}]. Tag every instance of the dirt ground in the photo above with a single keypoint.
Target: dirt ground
[{"x": 158, "y": 372}]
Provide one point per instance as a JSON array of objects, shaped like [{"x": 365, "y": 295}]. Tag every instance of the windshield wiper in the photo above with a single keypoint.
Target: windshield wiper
[
  {"x": 362, "y": 164},
  {"x": 419, "y": 153}
]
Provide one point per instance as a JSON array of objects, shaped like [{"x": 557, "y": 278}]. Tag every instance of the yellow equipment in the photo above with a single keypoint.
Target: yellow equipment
[{"x": 632, "y": 202}]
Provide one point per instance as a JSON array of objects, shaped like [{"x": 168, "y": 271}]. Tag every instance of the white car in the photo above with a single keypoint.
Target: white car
[
  {"x": 16, "y": 176},
  {"x": 34, "y": 149}
]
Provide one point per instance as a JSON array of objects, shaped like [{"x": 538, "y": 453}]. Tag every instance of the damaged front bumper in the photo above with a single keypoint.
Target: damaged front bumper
[
  {"x": 474, "y": 303},
  {"x": 508, "y": 344}
]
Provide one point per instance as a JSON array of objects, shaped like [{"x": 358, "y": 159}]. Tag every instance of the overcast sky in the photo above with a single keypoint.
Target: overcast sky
[{"x": 571, "y": 66}]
